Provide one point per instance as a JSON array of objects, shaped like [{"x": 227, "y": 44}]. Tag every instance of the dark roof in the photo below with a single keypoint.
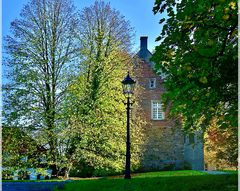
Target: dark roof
[{"x": 144, "y": 54}]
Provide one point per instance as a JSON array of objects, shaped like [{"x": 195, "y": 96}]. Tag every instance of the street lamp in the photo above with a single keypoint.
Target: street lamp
[{"x": 128, "y": 86}]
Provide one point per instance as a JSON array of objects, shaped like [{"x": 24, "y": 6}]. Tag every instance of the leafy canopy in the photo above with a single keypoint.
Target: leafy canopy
[
  {"x": 94, "y": 109},
  {"x": 198, "y": 52}
]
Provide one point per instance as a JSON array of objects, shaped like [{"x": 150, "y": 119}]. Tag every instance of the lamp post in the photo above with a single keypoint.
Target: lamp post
[{"x": 128, "y": 86}]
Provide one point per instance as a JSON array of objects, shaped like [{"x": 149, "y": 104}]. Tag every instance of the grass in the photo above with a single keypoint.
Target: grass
[{"x": 159, "y": 181}]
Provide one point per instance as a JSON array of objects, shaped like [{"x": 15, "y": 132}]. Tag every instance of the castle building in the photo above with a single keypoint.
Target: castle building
[{"x": 166, "y": 146}]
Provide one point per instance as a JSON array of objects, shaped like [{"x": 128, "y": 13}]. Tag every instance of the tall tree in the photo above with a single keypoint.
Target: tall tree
[
  {"x": 40, "y": 59},
  {"x": 98, "y": 111},
  {"x": 198, "y": 51}
]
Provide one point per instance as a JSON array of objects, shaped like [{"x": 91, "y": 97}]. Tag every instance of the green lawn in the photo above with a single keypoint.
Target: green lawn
[{"x": 160, "y": 181}]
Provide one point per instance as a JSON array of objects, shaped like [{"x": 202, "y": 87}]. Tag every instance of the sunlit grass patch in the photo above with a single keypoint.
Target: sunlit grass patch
[{"x": 163, "y": 181}]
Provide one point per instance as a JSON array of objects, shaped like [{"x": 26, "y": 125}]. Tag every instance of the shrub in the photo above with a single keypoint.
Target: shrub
[
  {"x": 82, "y": 170},
  {"x": 187, "y": 166},
  {"x": 7, "y": 173}
]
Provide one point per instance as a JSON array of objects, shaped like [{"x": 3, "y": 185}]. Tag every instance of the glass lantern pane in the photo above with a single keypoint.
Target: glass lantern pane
[{"x": 128, "y": 89}]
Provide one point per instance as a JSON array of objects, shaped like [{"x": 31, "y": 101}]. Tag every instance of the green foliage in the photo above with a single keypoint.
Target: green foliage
[
  {"x": 94, "y": 109},
  {"x": 164, "y": 181},
  {"x": 198, "y": 52},
  {"x": 7, "y": 173},
  {"x": 65, "y": 87},
  {"x": 81, "y": 170},
  {"x": 17, "y": 147},
  {"x": 221, "y": 147},
  {"x": 40, "y": 52}
]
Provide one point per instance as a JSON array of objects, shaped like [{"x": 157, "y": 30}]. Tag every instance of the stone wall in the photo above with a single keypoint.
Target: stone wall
[
  {"x": 193, "y": 152},
  {"x": 165, "y": 145},
  {"x": 164, "y": 141},
  {"x": 163, "y": 148}
]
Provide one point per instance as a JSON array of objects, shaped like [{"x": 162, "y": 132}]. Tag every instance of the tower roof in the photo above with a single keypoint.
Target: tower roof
[{"x": 144, "y": 53}]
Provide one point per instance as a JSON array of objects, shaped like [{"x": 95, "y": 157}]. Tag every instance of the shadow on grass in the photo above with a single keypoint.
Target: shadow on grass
[{"x": 177, "y": 183}]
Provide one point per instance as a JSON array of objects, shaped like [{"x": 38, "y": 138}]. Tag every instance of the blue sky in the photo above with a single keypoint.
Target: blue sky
[{"x": 138, "y": 12}]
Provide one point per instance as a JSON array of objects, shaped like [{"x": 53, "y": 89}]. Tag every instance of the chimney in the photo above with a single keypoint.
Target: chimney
[{"x": 143, "y": 42}]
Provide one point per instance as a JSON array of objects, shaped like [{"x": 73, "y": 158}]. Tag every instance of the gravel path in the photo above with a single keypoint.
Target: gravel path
[
  {"x": 31, "y": 186},
  {"x": 215, "y": 172}
]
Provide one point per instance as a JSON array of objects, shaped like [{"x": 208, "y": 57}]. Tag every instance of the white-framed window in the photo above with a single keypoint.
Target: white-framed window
[
  {"x": 157, "y": 110},
  {"x": 152, "y": 83}
]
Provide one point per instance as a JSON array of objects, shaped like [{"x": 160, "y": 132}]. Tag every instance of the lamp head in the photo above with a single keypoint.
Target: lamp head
[{"x": 128, "y": 86}]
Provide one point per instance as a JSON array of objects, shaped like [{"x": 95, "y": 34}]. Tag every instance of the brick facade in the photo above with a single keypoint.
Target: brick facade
[{"x": 165, "y": 146}]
